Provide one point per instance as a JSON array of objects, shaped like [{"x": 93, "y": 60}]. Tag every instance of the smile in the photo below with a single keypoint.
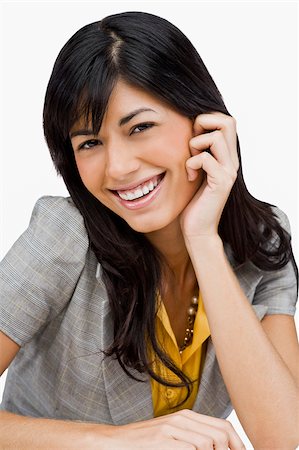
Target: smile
[
  {"x": 142, "y": 195},
  {"x": 141, "y": 190}
]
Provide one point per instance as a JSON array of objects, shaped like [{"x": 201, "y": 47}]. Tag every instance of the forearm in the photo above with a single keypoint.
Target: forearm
[
  {"x": 263, "y": 391},
  {"x": 28, "y": 433}
]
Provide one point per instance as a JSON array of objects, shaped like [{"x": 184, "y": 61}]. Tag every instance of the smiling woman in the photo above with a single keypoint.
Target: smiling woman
[
  {"x": 134, "y": 151},
  {"x": 152, "y": 301}
]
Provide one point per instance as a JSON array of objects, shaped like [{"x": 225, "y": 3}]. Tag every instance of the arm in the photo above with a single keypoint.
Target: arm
[
  {"x": 178, "y": 431},
  {"x": 281, "y": 330},
  {"x": 183, "y": 430},
  {"x": 28, "y": 301},
  {"x": 257, "y": 372},
  {"x": 29, "y": 433},
  {"x": 9, "y": 349},
  {"x": 261, "y": 385}
]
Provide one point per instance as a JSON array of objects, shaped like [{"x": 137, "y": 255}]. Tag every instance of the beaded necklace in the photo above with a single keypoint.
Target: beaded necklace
[{"x": 192, "y": 310}]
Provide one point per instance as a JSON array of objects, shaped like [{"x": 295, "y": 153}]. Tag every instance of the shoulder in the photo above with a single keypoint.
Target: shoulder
[
  {"x": 274, "y": 289},
  {"x": 277, "y": 288},
  {"x": 57, "y": 218},
  {"x": 57, "y": 210},
  {"x": 282, "y": 218},
  {"x": 55, "y": 245},
  {"x": 39, "y": 273}
]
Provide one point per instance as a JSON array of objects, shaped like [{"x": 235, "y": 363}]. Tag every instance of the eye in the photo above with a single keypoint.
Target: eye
[
  {"x": 87, "y": 145},
  {"x": 141, "y": 127}
]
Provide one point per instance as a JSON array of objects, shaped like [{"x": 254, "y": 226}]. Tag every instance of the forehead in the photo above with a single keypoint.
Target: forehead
[{"x": 125, "y": 97}]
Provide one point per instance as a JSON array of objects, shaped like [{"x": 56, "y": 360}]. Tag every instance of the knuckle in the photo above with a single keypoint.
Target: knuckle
[
  {"x": 222, "y": 439},
  {"x": 165, "y": 429},
  {"x": 234, "y": 176},
  {"x": 229, "y": 177},
  {"x": 176, "y": 419},
  {"x": 207, "y": 443},
  {"x": 228, "y": 425},
  {"x": 195, "y": 141},
  {"x": 221, "y": 435},
  {"x": 232, "y": 120},
  {"x": 197, "y": 121},
  {"x": 218, "y": 135},
  {"x": 205, "y": 156},
  {"x": 185, "y": 411}
]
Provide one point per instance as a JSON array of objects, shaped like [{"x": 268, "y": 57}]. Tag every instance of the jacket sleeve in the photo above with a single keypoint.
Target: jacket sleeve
[
  {"x": 39, "y": 273},
  {"x": 277, "y": 290}
]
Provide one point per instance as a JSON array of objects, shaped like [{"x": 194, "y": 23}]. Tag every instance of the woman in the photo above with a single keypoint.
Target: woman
[{"x": 161, "y": 285}]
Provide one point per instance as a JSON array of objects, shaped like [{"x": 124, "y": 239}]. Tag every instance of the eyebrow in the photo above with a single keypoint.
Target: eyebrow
[
  {"x": 122, "y": 121},
  {"x": 130, "y": 116}
]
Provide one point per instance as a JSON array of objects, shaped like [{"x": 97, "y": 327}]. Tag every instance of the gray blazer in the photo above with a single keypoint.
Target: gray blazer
[{"x": 53, "y": 303}]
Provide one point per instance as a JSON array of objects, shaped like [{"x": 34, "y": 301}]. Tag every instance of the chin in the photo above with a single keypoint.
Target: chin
[
  {"x": 145, "y": 227},
  {"x": 150, "y": 226}
]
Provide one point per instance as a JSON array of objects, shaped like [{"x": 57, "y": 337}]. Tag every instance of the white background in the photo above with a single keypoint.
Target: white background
[{"x": 250, "y": 49}]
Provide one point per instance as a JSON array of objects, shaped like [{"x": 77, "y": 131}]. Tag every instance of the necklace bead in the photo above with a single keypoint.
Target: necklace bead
[
  {"x": 192, "y": 310},
  {"x": 194, "y": 300}
]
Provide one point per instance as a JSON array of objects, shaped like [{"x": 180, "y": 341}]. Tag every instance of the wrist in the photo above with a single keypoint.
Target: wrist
[
  {"x": 97, "y": 436},
  {"x": 203, "y": 244}
]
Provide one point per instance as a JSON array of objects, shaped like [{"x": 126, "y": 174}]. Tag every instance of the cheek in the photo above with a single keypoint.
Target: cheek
[
  {"x": 179, "y": 138},
  {"x": 91, "y": 171},
  {"x": 171, "y": 149}
]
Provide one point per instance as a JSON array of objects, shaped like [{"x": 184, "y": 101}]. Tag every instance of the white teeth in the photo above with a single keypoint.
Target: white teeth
[
  {"x": 140, "y": 192},
  {"x": 123, "y": 196},
  {"x": 145, "y": 190}
]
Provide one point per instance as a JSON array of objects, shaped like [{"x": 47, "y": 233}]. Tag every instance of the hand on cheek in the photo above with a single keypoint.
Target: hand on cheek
[{"x": 213, "y": 149}]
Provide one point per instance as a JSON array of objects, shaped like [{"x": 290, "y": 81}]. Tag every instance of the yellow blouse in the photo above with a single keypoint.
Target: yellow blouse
[{"x": 190, "y": 361}]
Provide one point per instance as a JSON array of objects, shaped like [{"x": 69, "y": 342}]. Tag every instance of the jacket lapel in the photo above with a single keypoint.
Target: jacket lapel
[
  {"x": 212, "y": 398},
  {"x": 128, "y": 400}
]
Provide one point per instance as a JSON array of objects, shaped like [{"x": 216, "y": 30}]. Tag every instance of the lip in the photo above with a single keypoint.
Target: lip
[
  {"x": 143, "y": 201},
  {"x": 128, "y": 187}
]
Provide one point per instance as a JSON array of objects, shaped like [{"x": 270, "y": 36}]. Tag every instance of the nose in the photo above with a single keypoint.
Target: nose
[{"x": 120, "y": 162}]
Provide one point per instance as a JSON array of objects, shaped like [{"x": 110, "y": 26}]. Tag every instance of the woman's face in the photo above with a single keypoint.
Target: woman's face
[{"x": 136, "y": 164}]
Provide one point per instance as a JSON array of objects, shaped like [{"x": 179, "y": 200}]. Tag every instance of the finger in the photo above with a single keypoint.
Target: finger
[
  {"x": 216, "y": 142},
  {"x": 223, "y": 122},
  {"x": 217, "y": 121},
  {"x": 235, "y": 442},
  {"x": 206, "y": 162},
  {"x": 203, "y": 436},
  {"x": 219, "y": 151},
  {"x": 216, "y": 174},
  {"x": 198, "y": 438},
  {"x": 172, "y": 444}
]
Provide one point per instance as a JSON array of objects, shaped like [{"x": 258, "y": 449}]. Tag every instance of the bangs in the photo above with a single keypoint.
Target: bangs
[{"x": 92, "y": 100}]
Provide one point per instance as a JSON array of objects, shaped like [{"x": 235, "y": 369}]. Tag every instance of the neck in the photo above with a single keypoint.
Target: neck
[{"x": 178, "y": 270}]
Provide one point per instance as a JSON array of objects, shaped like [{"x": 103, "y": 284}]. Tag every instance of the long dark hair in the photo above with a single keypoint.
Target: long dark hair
[{"x": 149, "y": 52}]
